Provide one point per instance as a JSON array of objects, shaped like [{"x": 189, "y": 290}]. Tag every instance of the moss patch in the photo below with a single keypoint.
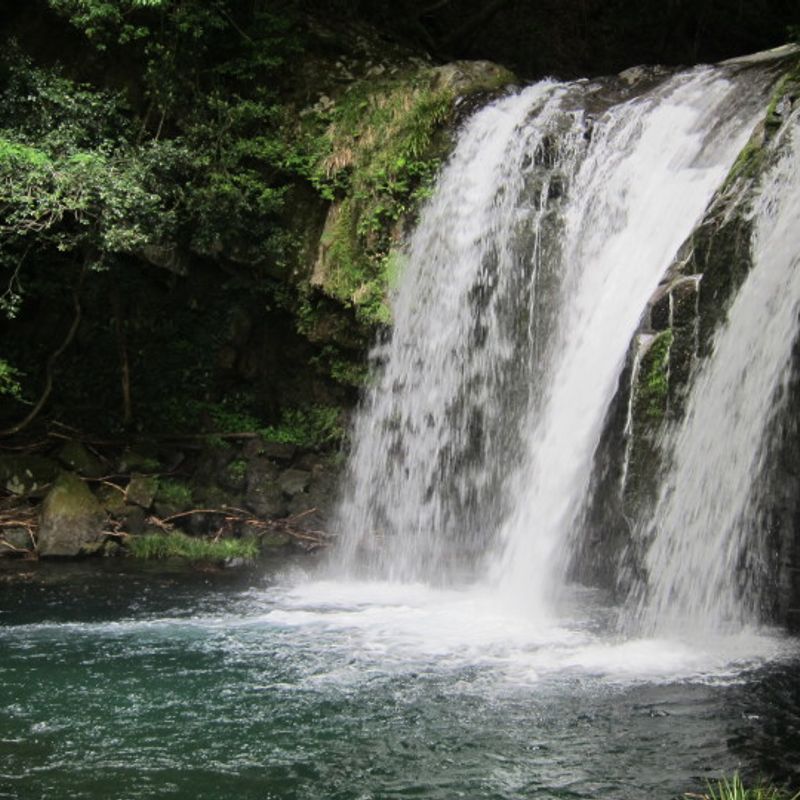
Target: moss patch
[
  {"x": 749, "y": 161},
  {"x": 174, "y": 492},
  {"x": 383, "y": 145},
  {"x": 653, "y": 385}
]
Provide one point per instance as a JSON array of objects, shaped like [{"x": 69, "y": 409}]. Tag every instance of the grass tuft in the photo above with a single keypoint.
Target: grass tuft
[
  {"x": 734, "y": 789},
  {"x": 159, "y": 546}
]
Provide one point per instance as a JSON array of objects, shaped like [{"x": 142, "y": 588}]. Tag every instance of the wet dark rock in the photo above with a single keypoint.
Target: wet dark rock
[{"x": 134, "y": 519}]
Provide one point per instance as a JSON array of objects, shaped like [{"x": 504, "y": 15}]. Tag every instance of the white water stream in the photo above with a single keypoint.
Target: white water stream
[
  {"x": 652, "y": 168},
  {"x": 704, "y": 524}
]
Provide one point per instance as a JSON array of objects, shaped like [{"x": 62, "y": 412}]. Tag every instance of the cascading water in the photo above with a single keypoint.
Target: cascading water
[
  {"x": 704, "y": 522},
  {"x": 653, "y": 166},
  {"x": 438, "y": 432},
  {"x": 524, "y": 282}
]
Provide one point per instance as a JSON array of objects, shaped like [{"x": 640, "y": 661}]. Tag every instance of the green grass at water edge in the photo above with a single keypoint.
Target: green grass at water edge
[
  {"x": 734, "y": 789},
  {"x": 159, "y": 546}
]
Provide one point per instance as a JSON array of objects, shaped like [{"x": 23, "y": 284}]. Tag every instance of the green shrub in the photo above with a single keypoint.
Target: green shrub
[
  {"x": 317, "y": 426},
  {"x": 9, "y": 383}
]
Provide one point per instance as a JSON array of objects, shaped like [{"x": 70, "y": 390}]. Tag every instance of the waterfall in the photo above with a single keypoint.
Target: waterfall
[
  {"x": 439, "y": 427},
  {"x": 653, "y": 166},
  {"x": 704, "y": 522},
  {"x": 523, "y": 284}
]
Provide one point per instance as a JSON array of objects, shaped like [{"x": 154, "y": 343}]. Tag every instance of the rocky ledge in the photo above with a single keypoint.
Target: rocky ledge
[{"x": 204, "y": 499}]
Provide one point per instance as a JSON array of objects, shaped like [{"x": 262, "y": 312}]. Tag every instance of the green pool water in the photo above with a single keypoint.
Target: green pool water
[{"x": 122, "y": 683}]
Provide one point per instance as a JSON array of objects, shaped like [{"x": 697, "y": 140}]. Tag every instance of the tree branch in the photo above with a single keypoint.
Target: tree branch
[{"x": 51, "y": 361}]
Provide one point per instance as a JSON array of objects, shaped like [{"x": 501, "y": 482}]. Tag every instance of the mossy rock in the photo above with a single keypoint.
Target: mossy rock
[
  {"x": 142, "y": 490},
  {"x": 72, "y": 520},
  {"x": 385, "y": 140},
  {"x": 112, "y": 500},
  {"x": 651, "y": 391},
  {"x": 141, "y": 458}
]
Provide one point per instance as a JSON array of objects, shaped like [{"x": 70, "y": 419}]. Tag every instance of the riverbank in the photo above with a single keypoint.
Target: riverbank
[{"x": 205, "y": 498}]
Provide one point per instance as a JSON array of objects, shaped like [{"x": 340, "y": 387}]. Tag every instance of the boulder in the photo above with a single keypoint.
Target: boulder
[
  {"x": 294, "y": 481},
  {"x": 72, "y": 520},
  {"x": 27, "y": 475},
  {"x": 134, "y": 519},
  {"x": 78, "y": 459},
  {"x": 267, "y": 539},
  {"x": 318, "y": 499},
  {"x": 112, "y": 499},
  {"x": 142, "y": 490},
  {"x": 282, "y": 452},
  {"x": 263, "y": 495}
]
